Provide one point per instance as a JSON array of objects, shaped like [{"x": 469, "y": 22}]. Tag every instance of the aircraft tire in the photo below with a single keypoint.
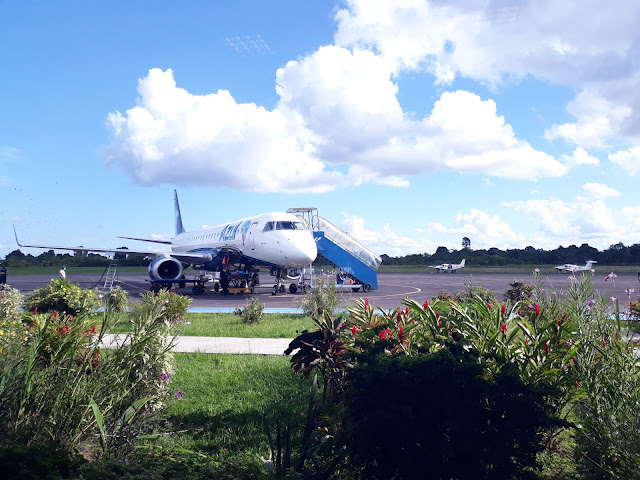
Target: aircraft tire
[
  {"x": 282, "y": 289},
  {"x": 275, "y": 290},
  {"x": 366, "y": 287},
  {"x": 293, "y": 288}
]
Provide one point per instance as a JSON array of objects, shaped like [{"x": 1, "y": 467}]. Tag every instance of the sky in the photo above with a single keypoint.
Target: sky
[{"x": 410, "y": 124}]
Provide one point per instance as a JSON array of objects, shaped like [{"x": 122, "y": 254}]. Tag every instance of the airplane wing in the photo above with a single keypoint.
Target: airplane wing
[
  {"x": 166, "y": 242},
  {"x": 187, "y": 257}
]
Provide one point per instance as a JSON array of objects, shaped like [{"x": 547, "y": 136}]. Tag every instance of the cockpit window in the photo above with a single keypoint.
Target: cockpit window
[
  {"x": 286, "y": 225},
  {"x": 268, "y": 226}
]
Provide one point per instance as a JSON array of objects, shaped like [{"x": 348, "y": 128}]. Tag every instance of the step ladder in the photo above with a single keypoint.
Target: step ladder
[{"x": 110, "y": 277}]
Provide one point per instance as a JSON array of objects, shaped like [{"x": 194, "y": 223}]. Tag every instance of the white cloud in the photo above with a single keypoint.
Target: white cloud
[
  {"x": 579, "y": 157},
  {"x": 599, "y": 190},
  {"x": 338, "y": 108},
  {"x": 628, "y": 159},
  {"x": 581, "y": 220},
  {"x": 386, "y": 242},
  {"x": 172, "y": 136},
  {"x": 494, "y": 42},
  {"x": 484, "y": 230}
]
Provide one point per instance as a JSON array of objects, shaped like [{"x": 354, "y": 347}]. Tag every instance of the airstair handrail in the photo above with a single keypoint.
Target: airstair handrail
[{"x": 348, "y": 243}]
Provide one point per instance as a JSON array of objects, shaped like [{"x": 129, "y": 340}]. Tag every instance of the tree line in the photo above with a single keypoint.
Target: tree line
[
  {"x": 617, "y": 254},
  {"x": 51, "y": 259}
]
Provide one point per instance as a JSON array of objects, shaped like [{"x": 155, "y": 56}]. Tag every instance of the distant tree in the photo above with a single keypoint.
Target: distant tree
[{"x": 466, "y": 243}]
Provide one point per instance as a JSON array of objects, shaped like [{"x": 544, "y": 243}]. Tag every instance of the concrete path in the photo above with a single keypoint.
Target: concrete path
[{"x": 255, "y": 346}]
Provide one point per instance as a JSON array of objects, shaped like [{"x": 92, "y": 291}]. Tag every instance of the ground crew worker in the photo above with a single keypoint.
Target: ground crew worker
[
  {"x": 3, "y": 275},
  {"x": 63, "y": 273}
]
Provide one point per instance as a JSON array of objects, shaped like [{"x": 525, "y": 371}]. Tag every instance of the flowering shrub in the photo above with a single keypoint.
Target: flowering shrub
[
  {"x": 11, "y": 329},
  {"x": 64, "y": 297},
  {"x": 116, "y": 300},
  {"x": 59, "y": 386},
  {"x": 170, "y": 306}
]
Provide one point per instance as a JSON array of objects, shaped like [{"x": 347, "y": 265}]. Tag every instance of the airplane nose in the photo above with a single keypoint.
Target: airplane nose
[{"x": 306, "y": 252}]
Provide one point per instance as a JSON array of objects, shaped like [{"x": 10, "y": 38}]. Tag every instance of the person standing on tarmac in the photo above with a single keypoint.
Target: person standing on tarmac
[
  {"x": 3, "y": 275},
  {"x": 63, "y": 273},
  {"x": 224, "y": 281}
]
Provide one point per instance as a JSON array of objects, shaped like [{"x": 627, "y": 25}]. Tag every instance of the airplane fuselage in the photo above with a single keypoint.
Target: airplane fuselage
[{"x": 273, "y": 239}]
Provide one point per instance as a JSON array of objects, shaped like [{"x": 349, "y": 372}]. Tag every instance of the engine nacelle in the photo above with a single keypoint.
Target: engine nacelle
[{"x": 165, "y": 268}]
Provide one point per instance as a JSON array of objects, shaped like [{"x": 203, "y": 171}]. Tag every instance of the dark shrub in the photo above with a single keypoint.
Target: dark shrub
[{"x": 435, "y": 416}]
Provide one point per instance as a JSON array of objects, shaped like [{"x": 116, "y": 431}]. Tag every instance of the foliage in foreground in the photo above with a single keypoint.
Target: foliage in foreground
[
  {"x": 58, "y": 385},
  {"x": 561, "y": 356},
  {"x": 323, "y": 297}
]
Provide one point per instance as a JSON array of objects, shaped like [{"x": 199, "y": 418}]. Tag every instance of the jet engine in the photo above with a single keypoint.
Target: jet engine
[{"x": 165, "y": 268}]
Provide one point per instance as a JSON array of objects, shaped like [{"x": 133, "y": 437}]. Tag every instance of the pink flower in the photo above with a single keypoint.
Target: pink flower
[{"x": 503, "y": 327}]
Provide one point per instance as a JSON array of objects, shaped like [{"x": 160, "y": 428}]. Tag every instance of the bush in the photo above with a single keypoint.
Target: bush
[
  {"x": 438, "y": 416},
  {"x": 169, "y": 306},
  {"x": 116, "y": 300},
  {"x": 63, "y": 296},
  {"x": 59, "y": 386},
  {"x": 10, "y": 303},
  {"x": 322, "y": 298},
  {"x": 252, "y": 312}
]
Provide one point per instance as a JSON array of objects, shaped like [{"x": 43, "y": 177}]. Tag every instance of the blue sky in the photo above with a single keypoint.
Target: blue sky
[{"x": 410, "y": 124}]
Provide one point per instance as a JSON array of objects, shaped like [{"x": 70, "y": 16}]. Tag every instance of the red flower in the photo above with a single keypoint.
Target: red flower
[
  {"x": 437, "y": 315},
  {"x": 576, "y": 384},
  {"x": 604, "y": 339},
  {"x": 354, "y": 330},
  {"x": 503, "y": 327},
  {"x": 425, "y": 305},
  {"x": 366, "y": 303},
  {"x": 401, "y": 334},
  {"x": 406, "y": 310},
  {"x": 440, "y": 323},
  {"x": 573, "y": 359},
  {"x": 35, "y": 311},
  {"x": 537, "y": 309},
  {"x": 546, "y": 348},
  {"x": 489, "y": 305},
  {"x": 399, "y": 316},
  {"x": 383, "y": 334},
  {"x": 559, "y": 322},
  {"x": 503, "y": 309}
]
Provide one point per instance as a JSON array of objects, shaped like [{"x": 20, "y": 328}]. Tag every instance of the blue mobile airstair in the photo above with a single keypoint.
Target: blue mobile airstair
[{"x": 352, "y": 258}]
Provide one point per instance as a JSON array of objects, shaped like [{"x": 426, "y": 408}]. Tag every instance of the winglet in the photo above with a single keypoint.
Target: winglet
[
  {"x": 16, "y": 235},
  {"x": 176, "y": 208}
]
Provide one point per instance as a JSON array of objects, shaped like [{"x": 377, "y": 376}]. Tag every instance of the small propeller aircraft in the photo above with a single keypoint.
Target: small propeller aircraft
[
  {"x": 571, "y": 268},
  {"x": 448, "y": 267}
]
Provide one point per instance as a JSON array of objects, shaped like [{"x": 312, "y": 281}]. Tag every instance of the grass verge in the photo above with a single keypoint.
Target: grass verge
[
  {"x": 272, "y": 325},
  {"x": 226, "y": 398}
]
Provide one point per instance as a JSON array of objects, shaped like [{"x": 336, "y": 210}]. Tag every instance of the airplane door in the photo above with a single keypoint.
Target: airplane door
[{"x": 251, "y": 235}]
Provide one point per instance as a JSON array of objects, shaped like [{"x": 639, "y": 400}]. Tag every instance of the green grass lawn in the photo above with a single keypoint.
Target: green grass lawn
[
  {"x": 226, "y": 398},
  {"x": 272, "y": 325}
]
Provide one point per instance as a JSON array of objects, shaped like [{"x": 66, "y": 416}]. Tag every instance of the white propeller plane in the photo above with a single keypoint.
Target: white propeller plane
[
  {"x": 571, "y": 268},
  {"x": 276, "y": 240},
  {"x": 448, "y": 267}
]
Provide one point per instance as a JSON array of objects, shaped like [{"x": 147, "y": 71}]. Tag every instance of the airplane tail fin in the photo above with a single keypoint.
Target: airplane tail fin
[
  {"x": 462, "y": 263},
  {"x": 176, "y": 208}
]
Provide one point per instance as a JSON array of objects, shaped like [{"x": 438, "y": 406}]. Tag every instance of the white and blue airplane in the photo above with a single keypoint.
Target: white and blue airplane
[
  {"x": 277, "y": 240},
  {"x": 571, "y": 268},
  {"x": 448, "y": 267}
]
